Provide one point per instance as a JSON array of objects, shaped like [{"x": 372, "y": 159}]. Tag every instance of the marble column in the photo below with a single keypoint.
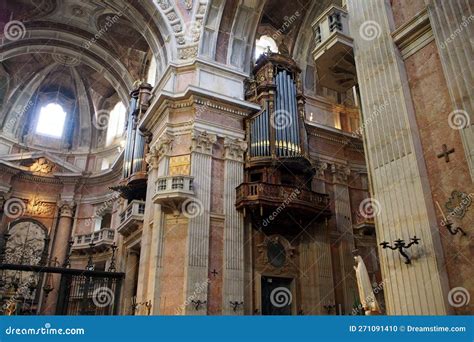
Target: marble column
[
  {"x": 150, "y": 265},
  {"x": 58, "y": 252},
  {"x": 342, "y": 207},
  {"x": 130, "y": 282},
  {"x": 233, "y": 265},
  {"x": 452, "y": 23},
  {"x": 199, "y": 225},
  {"x": 396, "y": 165}
]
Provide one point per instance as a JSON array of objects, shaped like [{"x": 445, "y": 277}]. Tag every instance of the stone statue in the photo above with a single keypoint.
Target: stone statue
[{"x": 366, "y": 294}]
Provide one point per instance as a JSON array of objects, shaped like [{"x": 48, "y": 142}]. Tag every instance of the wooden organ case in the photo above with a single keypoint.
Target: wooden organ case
[
  {"x": 278, "y": 172},
  {"x": 134, "y": 173}
]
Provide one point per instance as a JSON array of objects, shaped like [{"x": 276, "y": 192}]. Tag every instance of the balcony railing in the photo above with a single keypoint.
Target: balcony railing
[
  {"x": 171, "y": 191},
  {"x": 131, "y": 218},
  {"x": 101, "y": 240},
  {"x": 333, "y": 54},
  {"x": 276, "y": 195}
]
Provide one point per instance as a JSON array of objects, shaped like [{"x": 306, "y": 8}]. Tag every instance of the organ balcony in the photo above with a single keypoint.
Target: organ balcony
[
  {"x": 266, "y": 196},
  {"x": 97, "y": 241},
  {"x": 172, "y": 191},
  {"x": 131, "y": 218},
  {"x": 334, "y": 55}
]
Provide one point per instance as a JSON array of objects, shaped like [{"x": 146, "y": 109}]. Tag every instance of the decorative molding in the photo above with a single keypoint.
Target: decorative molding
[
  {"x": 234, "y": 149},
  {"x": 414, "y": 35},
  {"x": 66, "y": 209},
  {"x": 340, "y": 173},
  {"x": 202, "y": 142},
  {"x": 161, "y": 148}
]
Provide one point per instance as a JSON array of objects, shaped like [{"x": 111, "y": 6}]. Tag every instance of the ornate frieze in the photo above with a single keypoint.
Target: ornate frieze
[
  {"x": 42, "y": 165},
  {"x": 37, "y": 207}
]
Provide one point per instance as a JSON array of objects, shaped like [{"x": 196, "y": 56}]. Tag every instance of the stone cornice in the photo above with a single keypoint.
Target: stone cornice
[
  {"x": 191, "y": 96},
  {"x": 414, "y": 34},
  {"x": 331, "y": 134}
]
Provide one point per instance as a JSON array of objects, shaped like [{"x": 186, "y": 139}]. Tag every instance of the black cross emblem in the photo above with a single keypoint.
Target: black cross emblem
[
  {"x": 214, "y": 272},
  {"x": 446, "y": 153}
]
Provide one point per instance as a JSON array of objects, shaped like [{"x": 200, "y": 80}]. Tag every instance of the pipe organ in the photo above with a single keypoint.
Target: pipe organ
[
  {"x": 277, "y": 164},
  {"x": 133, "y": 184},
  {"x": 278, "y": 130}
]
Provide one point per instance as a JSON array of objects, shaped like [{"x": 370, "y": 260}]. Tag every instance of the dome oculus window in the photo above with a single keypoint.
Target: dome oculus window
[
  {"x": 263, "y": 44},
  {"x": 51, "y": 120}
]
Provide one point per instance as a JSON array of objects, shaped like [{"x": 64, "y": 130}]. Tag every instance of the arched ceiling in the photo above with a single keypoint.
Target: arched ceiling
[
  {"x": 90, "y": 50},
  {"x": 104, "y": 46}
]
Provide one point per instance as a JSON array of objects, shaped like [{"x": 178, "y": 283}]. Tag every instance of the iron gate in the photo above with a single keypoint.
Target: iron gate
[{"x": 81, "y": 292}]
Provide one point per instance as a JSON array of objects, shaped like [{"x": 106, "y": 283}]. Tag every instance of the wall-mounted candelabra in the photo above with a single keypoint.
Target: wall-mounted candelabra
[
  {"x": 400, "y": 245},
  {"x": 134, "y": 305},
  {"x": 329, "y": 308},
  {"x": 112, "y": 258},
  {"x": 67, "y": 260},
  {"x": 197, "y": 303},
  {"x": 235, "y": 305},
  {"x": 448, "y": 224},
  {"x": 90, "y": 261}
]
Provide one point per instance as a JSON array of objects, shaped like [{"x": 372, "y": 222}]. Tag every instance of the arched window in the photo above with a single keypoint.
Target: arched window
[
  {"x": 151, "y": 76},
  {"x": 51, "y": 120},
  {"x": 116, "y": 123},
  {"x": 264, "y": 44}
]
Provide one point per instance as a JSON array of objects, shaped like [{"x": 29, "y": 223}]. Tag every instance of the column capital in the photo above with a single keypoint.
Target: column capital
[
  {"x": 161, "y": 148},
  {"x": 340, "y": 173},
  {"x": 202, "y": 142},
  {"x": 234, "y": 149},
  {"x": 66, "y": 208}
]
